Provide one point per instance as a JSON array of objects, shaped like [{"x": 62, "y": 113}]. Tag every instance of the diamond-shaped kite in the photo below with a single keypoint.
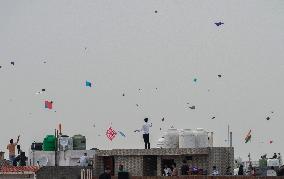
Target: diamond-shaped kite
[{"x": 110, "y": 133}]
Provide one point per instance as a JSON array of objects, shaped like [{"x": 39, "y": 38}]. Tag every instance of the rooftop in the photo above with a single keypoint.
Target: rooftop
[
  {"x": 18, "y": 169},
  {"x": 156, "y": 151}
]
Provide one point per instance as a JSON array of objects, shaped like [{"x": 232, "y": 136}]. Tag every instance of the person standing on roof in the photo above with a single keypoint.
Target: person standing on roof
[
  {"x": 12, "y": 149},
  {"x": 146, "y": 129},
  {"x": 84, "y": 161}
]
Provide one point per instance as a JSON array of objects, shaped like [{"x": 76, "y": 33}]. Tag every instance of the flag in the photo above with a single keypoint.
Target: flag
[
  {"x": 48, "y": 104},
  {"x": 110, "y": 133},
  {"x": 248, "y": 137},
  {"x": 88, "y": 84}
]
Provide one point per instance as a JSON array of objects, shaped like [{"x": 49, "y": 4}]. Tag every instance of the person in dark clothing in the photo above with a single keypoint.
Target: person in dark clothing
[
  {"x": 106, "y": 174},
  {"x": 146, "y": 129},
  {"x": 184, "y": 168},
  {"x": 241, "y": 170},
  {"x": 20, "y": 159},
  {"x": 228, "y": 171}
]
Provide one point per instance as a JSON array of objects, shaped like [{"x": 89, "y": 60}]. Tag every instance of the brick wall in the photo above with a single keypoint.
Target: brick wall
[
  {"x": 60, "y": 172},
  {"x": 221, "y": 158},
  {"x": 202, "y": 177},
  {"x": 16, "y": 176},
  {"x": 132, "y": 159},
  {"x": 98, "y": 165},
  {"x": 133, "y": 164}
]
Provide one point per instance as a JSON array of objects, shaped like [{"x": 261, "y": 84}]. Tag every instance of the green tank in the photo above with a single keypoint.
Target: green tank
[
  {"x": 49, "y": 143},
  {"x": 79, "y": 142}
]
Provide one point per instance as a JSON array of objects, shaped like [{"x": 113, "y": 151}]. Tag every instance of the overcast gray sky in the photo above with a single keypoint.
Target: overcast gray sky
[{"x": 129, "y": 46}]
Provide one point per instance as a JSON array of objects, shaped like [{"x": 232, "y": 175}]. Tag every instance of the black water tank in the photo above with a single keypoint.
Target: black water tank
[{"x": 36, "y": 146}]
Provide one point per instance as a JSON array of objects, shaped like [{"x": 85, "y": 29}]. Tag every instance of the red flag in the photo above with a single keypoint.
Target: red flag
[{"x": 48, "y": 104}]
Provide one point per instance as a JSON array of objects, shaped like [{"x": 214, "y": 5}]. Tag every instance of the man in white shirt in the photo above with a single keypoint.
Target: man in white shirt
[
  {"x": 84, "y": 160},
  {"x": 145, "y": 129}
]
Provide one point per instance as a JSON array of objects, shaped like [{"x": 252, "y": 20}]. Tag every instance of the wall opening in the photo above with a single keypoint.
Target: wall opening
[
  {"x": 109, "y": 163},
  {"x": 150, "y": 165}
]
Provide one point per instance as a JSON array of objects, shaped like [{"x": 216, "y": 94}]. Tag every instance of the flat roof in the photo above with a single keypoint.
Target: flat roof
[{"x": 154, "y": 151}]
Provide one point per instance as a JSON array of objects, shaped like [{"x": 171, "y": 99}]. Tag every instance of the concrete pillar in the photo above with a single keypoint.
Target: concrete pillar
[{"x": 159, "y": 165}]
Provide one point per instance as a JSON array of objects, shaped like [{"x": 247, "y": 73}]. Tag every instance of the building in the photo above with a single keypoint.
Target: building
[
  {"x": 18, "y": 172},
  {"x": 143, "y": 162},
  {"x": 64, "y": 158}
]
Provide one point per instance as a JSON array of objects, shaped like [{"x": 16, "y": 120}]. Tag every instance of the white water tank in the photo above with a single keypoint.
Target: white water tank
[
  {"x": 171, "y": 138},
  {"x": 65, "y": 143},
  {"x": 201, "y": 138},
  {"x": 187, "y": 139},
  {"x": 161, "y": 143}
]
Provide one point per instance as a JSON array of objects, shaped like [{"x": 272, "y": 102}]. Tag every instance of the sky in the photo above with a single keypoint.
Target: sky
[{"x": 157, "y": 46}]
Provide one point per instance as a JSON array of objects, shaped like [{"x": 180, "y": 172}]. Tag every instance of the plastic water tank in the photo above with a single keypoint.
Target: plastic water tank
[
  {"x": 49, "y": 143},
  {"x": 65, "y": 143},
  {"x": 79, "y": 142},
  {"x": 187, "y": 139},
  {"x": 201, "y": 138},
  {"x": 171, "y": 138},
  {"x": 161, "y": 143}
]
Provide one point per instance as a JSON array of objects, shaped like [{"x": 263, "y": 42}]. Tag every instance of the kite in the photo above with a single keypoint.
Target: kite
[
  {"x": 88, "y": 84},
  {"x": 213, "y": 117},
  {"x": 248, "y": 137},
  {"x": 48, "y": 104},
  {"x": 271, "y": 141},
  {"x": 39, "y": 92},
  {"x": 192, "y": 107},
  {"x": 219, "y": 76},
  {"x": 195, "y": 79},
  {"x": 121, "y": 133},
  {"x": 218, "y": 23},
  {"x": 268, "y": 118},
  {"x": 163, "y": 119},
  {"x": 12, "y": 63},
  {"x": 110, "y": 133},
  {"x": 156, "y": 11},
  {"x": 123, "y": 94}
]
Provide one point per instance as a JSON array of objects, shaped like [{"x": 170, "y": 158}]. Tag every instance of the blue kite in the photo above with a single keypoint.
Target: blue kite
[
  {"x": 88, "y": 84},
  {"x": 122, "y": 134}
]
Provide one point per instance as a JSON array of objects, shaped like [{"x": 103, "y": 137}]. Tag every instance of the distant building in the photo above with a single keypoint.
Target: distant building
[{"x": 143, "y": 162}]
